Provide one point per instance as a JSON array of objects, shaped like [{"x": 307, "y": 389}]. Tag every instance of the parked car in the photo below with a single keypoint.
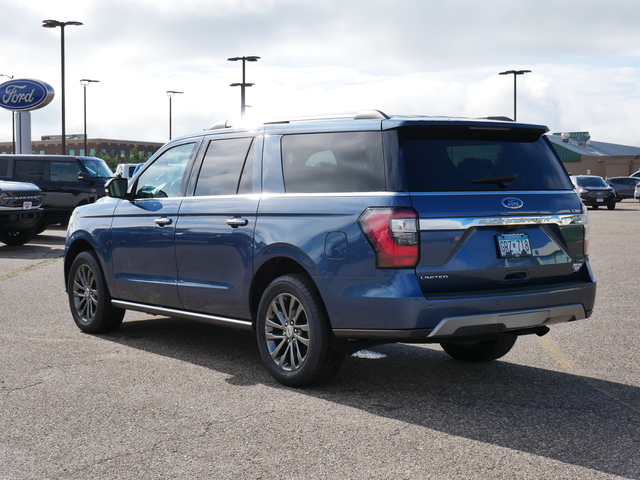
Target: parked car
[
  {"x": 636, "y": 174},
  {"x": 594, "y": 191},
  {"x": 126, "y": 170},
  {"x": 623, "y": 186},
  {"x": 66, "y": 181},
  {"x": 20, "y": 210},
  {"x": 636, "y": 193},
  {"x": 329, "y": 235}
]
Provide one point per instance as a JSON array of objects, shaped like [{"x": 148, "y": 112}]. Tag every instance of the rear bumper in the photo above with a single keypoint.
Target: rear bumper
[
  {"x": 390, "y": 313},
  {"x": 478, "y": 325}
]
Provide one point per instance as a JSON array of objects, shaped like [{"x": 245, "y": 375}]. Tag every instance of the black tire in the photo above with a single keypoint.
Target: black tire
[
  {"x": 17, "y": 237},
  {"x": 41, "y": 226},
  {"x": 294, "y": 334},
  {"x": 89, "y": 298},
  {"x": 481, "y": 350},
  {"x": 612, "y": 206}
]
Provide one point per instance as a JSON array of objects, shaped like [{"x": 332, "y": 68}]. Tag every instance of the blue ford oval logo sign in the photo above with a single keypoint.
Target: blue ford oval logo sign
[
  {"x": 512, "y": 202},
  {"x": 25, "y": 95}
]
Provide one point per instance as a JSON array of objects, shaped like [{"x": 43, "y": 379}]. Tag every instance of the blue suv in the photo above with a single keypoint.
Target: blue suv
[{"x": 326, "y": 235}]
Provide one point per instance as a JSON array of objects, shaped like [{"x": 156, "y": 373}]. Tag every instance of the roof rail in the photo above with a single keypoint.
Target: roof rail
[
  {"x": 220, "y": 125},
  {"x": 502, "y": 118},
  {"x": 361, "y": 115},
  {"x": 371, "y": 115}
]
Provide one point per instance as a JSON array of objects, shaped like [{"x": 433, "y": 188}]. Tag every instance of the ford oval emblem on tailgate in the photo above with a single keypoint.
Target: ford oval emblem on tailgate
[{"x": 512, "y": 202}]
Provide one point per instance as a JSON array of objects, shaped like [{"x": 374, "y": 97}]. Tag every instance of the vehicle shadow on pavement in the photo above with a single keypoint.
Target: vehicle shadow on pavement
[
  {"x": 44, "y": 245},
  {"x": 595, "y": 423}
]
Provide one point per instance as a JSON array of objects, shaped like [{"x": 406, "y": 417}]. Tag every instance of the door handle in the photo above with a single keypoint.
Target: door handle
[
  {"x": 162, "y": 221},
  {"x": 236, "y": 222}
]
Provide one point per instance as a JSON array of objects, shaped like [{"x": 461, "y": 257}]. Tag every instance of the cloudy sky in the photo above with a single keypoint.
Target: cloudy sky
[{"x": 431, "y": 57}]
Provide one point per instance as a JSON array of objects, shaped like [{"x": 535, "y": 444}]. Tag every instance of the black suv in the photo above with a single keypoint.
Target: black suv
[
  {"x": 20, "y": 211},
  {"x": 325, "y": 235},
  {"x": 66, "y": 181},
  {"x": 594, "y": 191}
]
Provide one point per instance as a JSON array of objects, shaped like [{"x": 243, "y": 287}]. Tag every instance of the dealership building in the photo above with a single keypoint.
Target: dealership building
[
  {"x": 583, "y": 156},
  {"x": 52, "y": 145}
]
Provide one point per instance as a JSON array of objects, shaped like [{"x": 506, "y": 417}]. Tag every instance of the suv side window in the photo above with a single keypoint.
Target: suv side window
[
  {"x": 333, "y": 162},
  {"x": 227, "y": 167},
  {"x": 29, "y": 170},
  {"x": 63, "y": 171},
  {"x": 165, "y": 176},
  {"x": 4, "y": 167}
]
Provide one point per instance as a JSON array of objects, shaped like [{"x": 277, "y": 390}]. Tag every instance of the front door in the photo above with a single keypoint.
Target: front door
[{"x": 143, "y": 230}]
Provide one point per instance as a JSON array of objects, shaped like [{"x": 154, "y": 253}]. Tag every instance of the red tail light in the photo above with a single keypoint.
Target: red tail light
[{"x": 393, "y": 234}]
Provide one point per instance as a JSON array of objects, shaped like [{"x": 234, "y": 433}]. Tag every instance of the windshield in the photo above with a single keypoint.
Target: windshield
[
  {"x": 443, "y": 159},
  {"x": 591, "y": 182},
  {"x": 96, "y": 167}
]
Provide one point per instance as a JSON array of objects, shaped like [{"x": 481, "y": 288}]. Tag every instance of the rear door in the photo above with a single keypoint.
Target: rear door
[
  {"x": 496, "y": 209},
  {"x": 214, "y": 234}
]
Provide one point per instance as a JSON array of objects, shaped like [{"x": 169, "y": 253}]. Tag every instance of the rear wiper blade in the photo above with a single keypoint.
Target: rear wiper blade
[{"x": 502, "y": 181}]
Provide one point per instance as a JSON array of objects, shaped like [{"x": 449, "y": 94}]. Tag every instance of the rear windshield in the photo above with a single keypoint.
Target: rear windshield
[{"x": 444, "y": 159}]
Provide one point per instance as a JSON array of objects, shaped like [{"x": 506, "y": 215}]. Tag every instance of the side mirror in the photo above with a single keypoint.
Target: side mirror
[
  {"x": 84, "y": 177},
  {"x": 116, "y": 187}
]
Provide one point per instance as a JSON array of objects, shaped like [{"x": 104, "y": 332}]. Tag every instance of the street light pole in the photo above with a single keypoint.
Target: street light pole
[
  {"x": 171, "y": 93},
  {"x": 515, "y": 74},
  {"x": 13, "y": 121},
  {"x": 54, "y": 24},
  {"x": 84, "y": 82},
  {"x": 244, "y": 84}
]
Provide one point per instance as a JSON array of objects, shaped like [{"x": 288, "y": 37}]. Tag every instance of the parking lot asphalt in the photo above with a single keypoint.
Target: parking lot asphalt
[{"x": 163, "y": 398}]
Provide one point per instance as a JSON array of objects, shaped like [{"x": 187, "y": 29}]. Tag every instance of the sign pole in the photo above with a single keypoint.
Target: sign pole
[{"x": 23, "y": 132}]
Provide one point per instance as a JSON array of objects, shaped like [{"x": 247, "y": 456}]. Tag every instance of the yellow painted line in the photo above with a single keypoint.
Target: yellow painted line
[
  {"x": 559, "y": 356},
  {"x": 554, "y": 351}
]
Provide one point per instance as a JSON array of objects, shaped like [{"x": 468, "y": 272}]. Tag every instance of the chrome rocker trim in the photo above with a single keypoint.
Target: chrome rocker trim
[{"x": 171, "y": 312}]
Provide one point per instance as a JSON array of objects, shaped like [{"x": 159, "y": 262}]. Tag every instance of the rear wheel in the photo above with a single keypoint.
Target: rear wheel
[
  {"x": 17, "y": 237},
  {"x": 89, "y": 297},
  {"x": 294, "y": 334},
  {"x": 481, "y": 350}
]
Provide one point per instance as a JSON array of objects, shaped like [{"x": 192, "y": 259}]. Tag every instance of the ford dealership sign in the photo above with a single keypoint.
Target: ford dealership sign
[{"x": 25, "y": 95}]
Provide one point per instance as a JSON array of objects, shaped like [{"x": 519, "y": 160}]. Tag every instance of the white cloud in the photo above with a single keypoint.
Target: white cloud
[{"x": 439, "y": 57}]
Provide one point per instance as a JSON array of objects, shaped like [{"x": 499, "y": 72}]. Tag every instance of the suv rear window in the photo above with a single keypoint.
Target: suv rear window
[
  {"x": 333, "y": 162},
  {"x": 443, "y": 159}
]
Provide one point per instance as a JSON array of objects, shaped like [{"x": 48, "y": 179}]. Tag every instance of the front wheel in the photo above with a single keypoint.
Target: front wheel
[
  {"x": 89, "y": 297},
  {"x": 481, "y": 350},
  {"x": 17, "y": 237},
  {"x": 294, "y": 335},
  {"x": 612, "y": 206}
]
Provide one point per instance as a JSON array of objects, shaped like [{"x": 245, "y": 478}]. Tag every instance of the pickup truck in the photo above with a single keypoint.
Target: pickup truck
[{"x": 20, "y": 211}]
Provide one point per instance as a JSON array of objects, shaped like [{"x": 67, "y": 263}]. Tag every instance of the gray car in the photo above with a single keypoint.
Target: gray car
[{"x": 623, "y": 186}]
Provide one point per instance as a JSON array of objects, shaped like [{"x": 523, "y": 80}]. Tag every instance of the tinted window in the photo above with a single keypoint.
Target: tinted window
[
  {"x": 96, "y": 167},
  {"x": 222, "y": 167},
  {"x": 165, "y": 176},
  {"x": 63, "y": 171},
  {"x": 4, "y": 167},
  {"x": 591, "y": 182},
  {"x": 29, "y": 170},
  {"x": 333, "y": 162},
  {"x": 462, "y": 159}
]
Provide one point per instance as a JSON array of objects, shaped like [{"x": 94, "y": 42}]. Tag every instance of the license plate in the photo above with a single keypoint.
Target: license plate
[
  {"x": 514, "y": 245},
  {"x": 599, "y": 199},
  {"x": 27, "y": 205}
]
